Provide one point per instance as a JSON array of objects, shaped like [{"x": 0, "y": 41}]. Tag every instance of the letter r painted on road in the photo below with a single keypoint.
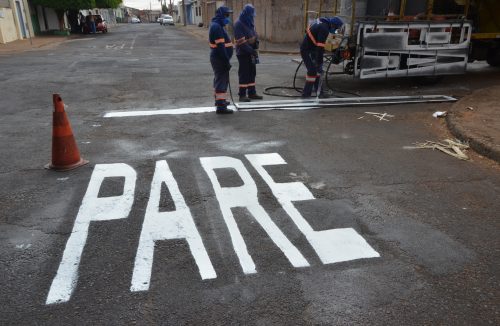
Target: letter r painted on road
[
  {"x": 332, "y": 246},
  {"x": 93, "y": 208},
  {"x": 246, "y": 196},
  {"x": 158, "y": 225}
]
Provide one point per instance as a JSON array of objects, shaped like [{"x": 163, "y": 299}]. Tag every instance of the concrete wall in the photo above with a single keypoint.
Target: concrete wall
[
  {"x": 11, "y": 25},
  {"x": 8, "y": 31},
  {"x": 282, "y": 21},
  {"x": 52, "y": 21}
]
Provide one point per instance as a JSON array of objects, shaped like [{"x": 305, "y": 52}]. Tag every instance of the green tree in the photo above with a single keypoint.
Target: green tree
[{"x": 107, "y": 3}]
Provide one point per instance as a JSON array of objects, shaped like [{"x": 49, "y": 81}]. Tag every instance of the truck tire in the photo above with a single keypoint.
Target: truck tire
[{"x": 493, "y": 57}]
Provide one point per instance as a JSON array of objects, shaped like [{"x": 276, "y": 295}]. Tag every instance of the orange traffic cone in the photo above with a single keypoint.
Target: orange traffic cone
[{"x": 65, "y": 154}]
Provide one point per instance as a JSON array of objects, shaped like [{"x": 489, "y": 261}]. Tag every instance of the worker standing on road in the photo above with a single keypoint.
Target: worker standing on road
[
  {"x": 220, "y": 56},
  {"x": 313, "y": 48},
  {"x": 247, "y": 44}
]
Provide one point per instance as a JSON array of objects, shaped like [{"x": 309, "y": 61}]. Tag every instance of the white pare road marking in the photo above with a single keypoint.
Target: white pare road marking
[
  {"x": 335, "y": 245},
  {"x": 332, "y": 246},
  {"x": 93, "y": 208},
  {"x": 246, "y": 196},
  {"x": 158, "y": 225}
]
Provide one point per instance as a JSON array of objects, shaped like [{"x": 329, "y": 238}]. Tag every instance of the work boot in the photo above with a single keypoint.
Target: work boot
[
  {"x": 223, "y": 111},
  {"x": 255, "y": 97},
  {"x": 244, "y": 98}
]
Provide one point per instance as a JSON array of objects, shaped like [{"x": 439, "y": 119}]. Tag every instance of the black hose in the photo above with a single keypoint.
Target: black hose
[
  {"x": 299, "y": 90},
  {"x": 230, "y": 90}
]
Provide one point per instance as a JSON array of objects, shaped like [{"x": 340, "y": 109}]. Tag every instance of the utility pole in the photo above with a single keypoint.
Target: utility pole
[{"x": 184, "y": 14}]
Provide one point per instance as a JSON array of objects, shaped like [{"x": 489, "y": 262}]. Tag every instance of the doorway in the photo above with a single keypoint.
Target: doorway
[{"x": 21, "y": 19}]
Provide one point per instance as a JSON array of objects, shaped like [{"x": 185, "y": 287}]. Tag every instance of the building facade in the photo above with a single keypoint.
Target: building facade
[
  {"x": 194, "y": 12},
  {"x": 15, "y": 21}
]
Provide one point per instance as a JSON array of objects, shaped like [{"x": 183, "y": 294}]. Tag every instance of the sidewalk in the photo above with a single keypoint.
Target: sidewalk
[
  {"x": 201, "y": 33},
  {"x": 45, "y": 41},
  {"x": 476, "y": 119},
  {"x": 35, "y": 44}
]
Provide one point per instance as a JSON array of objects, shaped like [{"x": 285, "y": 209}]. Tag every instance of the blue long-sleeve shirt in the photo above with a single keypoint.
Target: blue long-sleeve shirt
[
  {"x": 220, "y": 43},
  {"x": 245, "y": 39},
  {"x": 315, "y": 39}
]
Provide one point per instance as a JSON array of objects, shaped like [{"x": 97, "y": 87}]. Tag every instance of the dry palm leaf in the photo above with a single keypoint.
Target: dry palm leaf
[{"x": 454, "y": 148}]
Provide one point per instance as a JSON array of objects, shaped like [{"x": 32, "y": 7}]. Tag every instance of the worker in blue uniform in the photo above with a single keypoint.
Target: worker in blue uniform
[
  {"x": 313, "y": 48},
  {"x": 247, "y": 45},
  {"x": 220, "y": 56}
]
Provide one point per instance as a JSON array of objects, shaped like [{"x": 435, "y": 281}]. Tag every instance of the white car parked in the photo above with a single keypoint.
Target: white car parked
[{"x": 166, "y": 20}]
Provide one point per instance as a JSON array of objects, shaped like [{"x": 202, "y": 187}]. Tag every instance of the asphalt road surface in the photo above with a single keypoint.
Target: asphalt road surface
[{"x": 259, "y": 218}]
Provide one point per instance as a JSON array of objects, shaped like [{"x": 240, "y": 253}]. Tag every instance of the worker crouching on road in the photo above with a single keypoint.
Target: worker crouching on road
[
  {"x": 247, "y": 44},
  {"x": 220, "y": 56},
  {"x": 313, "y": 48}
]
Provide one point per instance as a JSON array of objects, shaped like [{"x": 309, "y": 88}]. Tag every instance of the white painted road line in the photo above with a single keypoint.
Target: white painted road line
[
  {"x": 331, "y": 246},
  {"x": 121, "y": 114},
  {"x": 178, "y": 224},
  {"x": 181, "y": 111},
  {"x": 93, "y": 208},
  {"x": 246, "y": 196}
]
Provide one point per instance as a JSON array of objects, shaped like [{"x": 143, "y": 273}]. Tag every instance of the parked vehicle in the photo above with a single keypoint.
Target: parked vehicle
[
  {"x": 135, "y": 20},
  {"x": 100, "y": 25},
  {"x": 166, "y": 20}
]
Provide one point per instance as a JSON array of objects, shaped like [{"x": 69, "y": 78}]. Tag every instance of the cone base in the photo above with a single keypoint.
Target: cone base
[{"x": 62, "y": 168}]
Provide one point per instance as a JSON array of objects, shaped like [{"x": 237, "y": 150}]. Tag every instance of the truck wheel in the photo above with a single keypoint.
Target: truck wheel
[{"x": 493, "y": 57}]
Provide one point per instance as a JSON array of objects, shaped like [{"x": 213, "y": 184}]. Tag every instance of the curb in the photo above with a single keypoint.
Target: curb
[{"x": 480, "y": 147}]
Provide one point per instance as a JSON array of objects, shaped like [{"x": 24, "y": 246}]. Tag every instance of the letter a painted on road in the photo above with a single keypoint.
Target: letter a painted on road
[
  {"x": 158, "y": 225},
  {"x": 93, "y": 208},
  {"x": 332, "y": 246},
  {"x": 246, "y": 196}
]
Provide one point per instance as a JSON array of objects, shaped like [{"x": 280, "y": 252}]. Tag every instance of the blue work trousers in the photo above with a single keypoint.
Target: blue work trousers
[
  {"x": 221, "y": 82},
  {"x": 312, "y": 77},
  {"x": 246, "y": 73}
]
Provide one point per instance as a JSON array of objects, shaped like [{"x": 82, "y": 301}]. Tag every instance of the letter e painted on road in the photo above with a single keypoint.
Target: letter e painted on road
[
  {"x": 332, "y": 246},
  {"x": 93, "y": 208},
  {"x": 246, "y": 196},
  {"x": 158, "y": 225}
]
